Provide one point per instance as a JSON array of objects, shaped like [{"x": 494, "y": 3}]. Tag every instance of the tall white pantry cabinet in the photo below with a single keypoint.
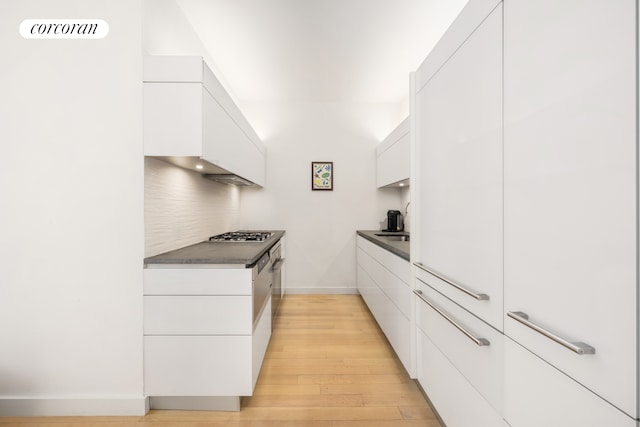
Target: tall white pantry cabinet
[{"x": 525, "y": 189}]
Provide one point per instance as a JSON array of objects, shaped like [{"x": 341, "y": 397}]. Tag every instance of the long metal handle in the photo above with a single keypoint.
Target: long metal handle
[
  {"x": 576, "y": 347},
  {"x": 480, "y": 297},
  {"x": 278, "y": 264},
  {"x": 479, "y": 341}
]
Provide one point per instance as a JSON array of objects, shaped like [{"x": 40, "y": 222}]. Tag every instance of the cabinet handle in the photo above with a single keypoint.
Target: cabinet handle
[
  {"x": 480, "y": 297},
  {"x": 576, "y": 347},
  {"x": 278, "y": 264},
  {"x": 479, "y": 341}
]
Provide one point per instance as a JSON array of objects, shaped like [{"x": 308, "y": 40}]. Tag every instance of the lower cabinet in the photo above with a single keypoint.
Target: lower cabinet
[
  {"x": 537, "y": 394},
  {"x": 381, "y": 281},
  {"x": 475, "y": 375},
  {"x": 203, "y": 343},
  {"x": 458, "y": 403},
  {"x": 460, "y": 361},
  {"x": 198, "y": 315},
  {"x": 206, "y": 365},
  {"x": 197, "y": 365}
]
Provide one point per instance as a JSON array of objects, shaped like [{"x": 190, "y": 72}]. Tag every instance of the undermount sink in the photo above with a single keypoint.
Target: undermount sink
[{"x": 394, "y": 237}]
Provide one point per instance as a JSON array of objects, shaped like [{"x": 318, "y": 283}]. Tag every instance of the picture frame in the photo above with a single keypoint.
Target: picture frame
[{"x": 322, "y": 174}]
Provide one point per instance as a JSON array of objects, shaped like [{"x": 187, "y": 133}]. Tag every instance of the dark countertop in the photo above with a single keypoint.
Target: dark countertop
[
  {"x": 397, "y": 248},
  {"x": 206, "y": 252}
]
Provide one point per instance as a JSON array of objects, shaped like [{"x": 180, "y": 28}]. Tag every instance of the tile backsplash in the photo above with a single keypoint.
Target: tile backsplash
[{"x": 182, "y": 208}]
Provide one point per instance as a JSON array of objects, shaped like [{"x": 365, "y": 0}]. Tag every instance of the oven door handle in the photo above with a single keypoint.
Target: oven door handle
[{"x": 277, "y": 266}]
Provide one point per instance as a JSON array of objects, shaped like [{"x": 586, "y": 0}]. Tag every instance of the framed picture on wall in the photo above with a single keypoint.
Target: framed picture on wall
[{"x": 322, "y": 175}]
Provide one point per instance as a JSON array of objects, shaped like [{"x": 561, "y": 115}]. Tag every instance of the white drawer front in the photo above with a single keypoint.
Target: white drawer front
[
  {"x": 481, "y": 365},
  {"x": 537, "y": 394},
  {"x": 398, "y": 266},
  {"x": 261, "y": 338},
  {"x": 395, "y": 289},
  {"x": 488, "y": 310},
  {"x": 456, "y": 400},
  {"x": 197, "y": 366},
  {"x": 396, "y": 327},
  {"x": 372, "y": 295},
  {"x": 198, "y": 315},
  {"x": 197, "y": 281}
]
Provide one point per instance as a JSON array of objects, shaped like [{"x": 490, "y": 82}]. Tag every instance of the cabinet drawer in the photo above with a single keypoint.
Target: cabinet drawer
[
  {"x": 489, "y": 310},
  {"x": 396, "y": 327},
  {"x": 372, "y": 295},
  {"x": 396, "y": 265},
  {"x": 198, "y": 315},
  {"x": 197, "y": 366},
  {"x": 537, "y": 394},
  {"x": 198, "y": 280},
  {"x": 456, "y": 400},
  {"x": 395, "y": 289},
  {"x": 261, "y": 338},
  {"x": 481, "y": 365}
]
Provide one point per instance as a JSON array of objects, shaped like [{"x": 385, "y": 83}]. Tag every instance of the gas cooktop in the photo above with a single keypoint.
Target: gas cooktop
[{"x": 242, "y": 236}]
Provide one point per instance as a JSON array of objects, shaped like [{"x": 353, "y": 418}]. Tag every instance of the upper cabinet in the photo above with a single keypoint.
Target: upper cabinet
[
  {"x": 393, "y": 156},
  {"x": 189, "y": 117}
]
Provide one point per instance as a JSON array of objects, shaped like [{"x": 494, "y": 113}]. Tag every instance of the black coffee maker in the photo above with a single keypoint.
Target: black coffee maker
[{"x": 394, "y": 221}]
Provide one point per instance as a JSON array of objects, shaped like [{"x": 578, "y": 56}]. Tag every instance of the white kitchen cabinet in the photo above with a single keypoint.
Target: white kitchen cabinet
[
  {"x": 458, "y": 143},
  {"x": 380, "y": 282},
  {"x": 196, "y": 279},
  {"x": 206, "y": 365},
  {"x": 570, "y": 197},
  {"x": 457, "y": 402},
  {"x": 393, "y": 156},
  {"x": 474, "y": 348},
  {"x": 184, "y": 365},
  {"x": 259, "y": 342},
  {"x": 393, "y": 288},
  {"x": 537, "y": 394},
  {"x": 198, "y": 315},
  {"x": 570, "y": 180},
  {"x": 200, "y": 337},
  {"x": 457, "y": 239},
  {"x": 189, "y": 116}
]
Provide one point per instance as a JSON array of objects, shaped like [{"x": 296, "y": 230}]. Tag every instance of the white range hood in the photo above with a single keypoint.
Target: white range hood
[{"x": 192, "y": 122}]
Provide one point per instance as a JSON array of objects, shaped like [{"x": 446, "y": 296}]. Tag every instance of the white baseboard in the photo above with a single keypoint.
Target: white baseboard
[
  {"x": 52, "y": 406},
  {"x": 321, "y": 291}
]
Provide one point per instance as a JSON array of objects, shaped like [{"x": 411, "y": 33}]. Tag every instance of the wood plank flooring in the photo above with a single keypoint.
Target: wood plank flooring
[{"x": 328, "y": 365}]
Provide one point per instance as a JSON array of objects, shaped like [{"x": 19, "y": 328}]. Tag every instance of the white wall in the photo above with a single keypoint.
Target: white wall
[
  {"x": 320, "y": 225},
  {"x": 166, "y": 31},
  {"x": 182, "y": 208},
  {"x": 72, "y": 214}
]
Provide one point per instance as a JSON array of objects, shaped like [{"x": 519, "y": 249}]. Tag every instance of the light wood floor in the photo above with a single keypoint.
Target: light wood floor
[{"x": 328, "y": 365}]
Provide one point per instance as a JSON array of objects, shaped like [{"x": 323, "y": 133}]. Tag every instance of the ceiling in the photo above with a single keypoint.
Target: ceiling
[{"x": 319, "y": 50}]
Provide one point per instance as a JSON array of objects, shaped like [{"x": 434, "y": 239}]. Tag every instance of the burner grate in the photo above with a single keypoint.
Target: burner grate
[{"x": 241, "y": 236}]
